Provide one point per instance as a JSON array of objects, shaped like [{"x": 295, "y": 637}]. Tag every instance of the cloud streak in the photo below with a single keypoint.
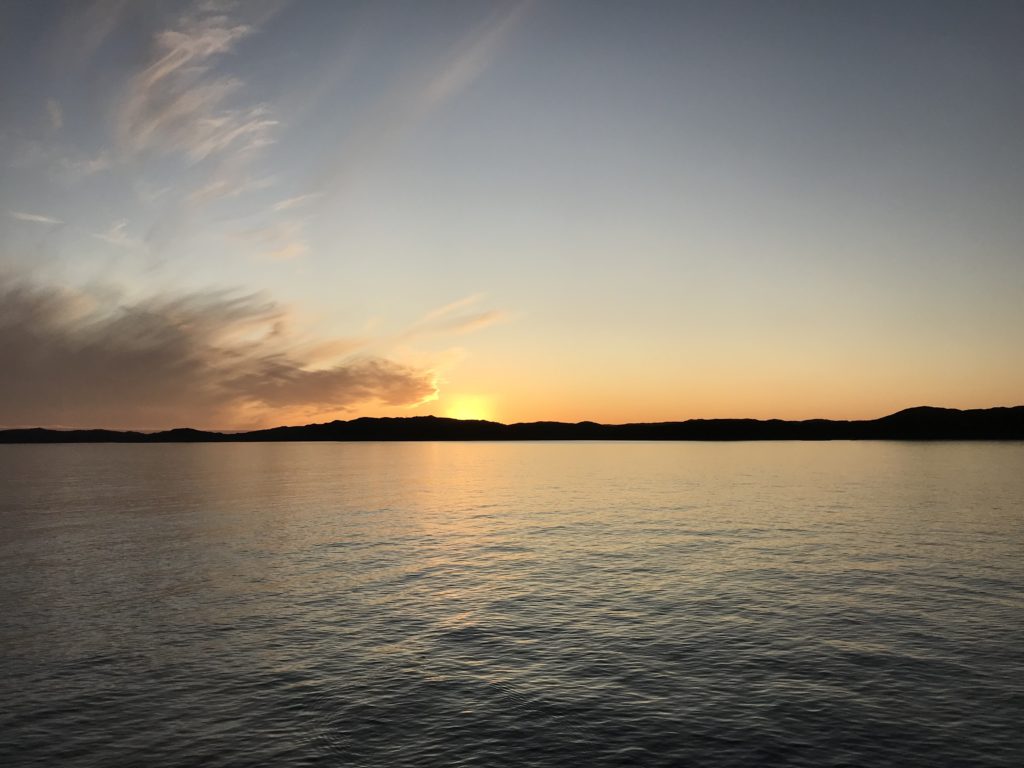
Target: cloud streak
[
  {"x": 65, "y": 165},
  {"x": 56, "y": 114},
  {"x": 458, "y": 317},
  {"x": 177, "y": 103},
  {"x": 213, "y": 359},
  {"x": 282, "y": 240},
  {"x": 293, "y": 202},
  {"x": 118, "y": 235},
  {"x": 85, "y": 28},
  {"x": 35, "y": 218},
  {"x": 415, "y": 99}
]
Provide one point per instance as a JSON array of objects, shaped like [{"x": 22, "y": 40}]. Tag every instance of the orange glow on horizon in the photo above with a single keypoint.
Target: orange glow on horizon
[{"x": 470, "y": 407}]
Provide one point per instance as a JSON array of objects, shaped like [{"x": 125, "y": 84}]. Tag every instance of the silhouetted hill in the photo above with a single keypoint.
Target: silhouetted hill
[{"x": 923, "y": 423}]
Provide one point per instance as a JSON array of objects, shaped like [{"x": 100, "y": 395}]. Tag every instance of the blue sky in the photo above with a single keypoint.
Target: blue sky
[{"x": 232, "y": 214}]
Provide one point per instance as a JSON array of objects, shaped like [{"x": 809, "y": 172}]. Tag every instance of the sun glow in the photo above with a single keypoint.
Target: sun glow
[{"x": 470, "y": 407}]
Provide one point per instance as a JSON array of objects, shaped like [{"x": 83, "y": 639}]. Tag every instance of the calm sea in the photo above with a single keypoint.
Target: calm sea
[{"x": 512, "y": 604}]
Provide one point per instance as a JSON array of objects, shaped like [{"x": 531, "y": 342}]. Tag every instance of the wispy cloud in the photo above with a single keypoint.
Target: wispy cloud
[
  {"x": 471, "y": 322},
  {"x": 118, "y": 235},
  {"x": 63, "y": 164},
  {"x": 36, "y": 218},
  {"x": 284, "y": 239},
  {"x": 228, "y": 181},
  {"x": 469, "y": 60},
  {"x": 75, "y": 166},
  {"x": 417, "y": 97},
  {"x": 178, "y": 103},
  {"x": 294, "y": 202},
  {"x": 84, "y": 28},
  {"x": 288, "y": 251},
  {"x": 451, "y": 308},
  {"x": 216, "y": 359},
  {"x": 458, "y": 317},
  {"x": 55, "y": 113}
]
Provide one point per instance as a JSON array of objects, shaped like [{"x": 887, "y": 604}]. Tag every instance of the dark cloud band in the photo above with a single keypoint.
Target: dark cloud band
[{"x": 70, "y": 359}]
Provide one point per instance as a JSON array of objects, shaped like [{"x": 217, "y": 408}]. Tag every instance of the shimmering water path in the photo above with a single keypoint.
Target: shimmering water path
[{"x": 546, "y": 604}]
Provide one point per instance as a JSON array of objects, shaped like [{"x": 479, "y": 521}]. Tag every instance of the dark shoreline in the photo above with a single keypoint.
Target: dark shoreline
[{"x": 921, "y": 423}]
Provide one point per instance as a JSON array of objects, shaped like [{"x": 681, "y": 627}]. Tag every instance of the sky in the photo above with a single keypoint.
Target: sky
[{"x": 233, "y": 215}]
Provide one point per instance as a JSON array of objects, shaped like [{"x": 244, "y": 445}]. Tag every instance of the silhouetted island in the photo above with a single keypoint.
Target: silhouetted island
[{"x": 922, "y": 423}]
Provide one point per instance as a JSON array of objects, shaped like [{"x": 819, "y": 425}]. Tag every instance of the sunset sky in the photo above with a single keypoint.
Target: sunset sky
[{"x": 229, "y": 215}]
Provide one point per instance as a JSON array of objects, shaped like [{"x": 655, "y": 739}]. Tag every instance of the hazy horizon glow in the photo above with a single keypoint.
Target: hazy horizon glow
[{"x": 232, "y": 215}]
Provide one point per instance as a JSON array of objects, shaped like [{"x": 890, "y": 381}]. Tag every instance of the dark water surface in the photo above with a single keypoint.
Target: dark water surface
[{"x": 502, "y": 604}]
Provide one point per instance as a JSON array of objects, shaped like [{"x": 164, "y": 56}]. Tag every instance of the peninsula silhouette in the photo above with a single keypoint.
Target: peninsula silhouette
[{"x": 921, "y": 423}]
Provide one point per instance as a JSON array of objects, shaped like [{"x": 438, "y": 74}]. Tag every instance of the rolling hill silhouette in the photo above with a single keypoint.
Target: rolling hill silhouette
[{"x": 921, "y": 423}]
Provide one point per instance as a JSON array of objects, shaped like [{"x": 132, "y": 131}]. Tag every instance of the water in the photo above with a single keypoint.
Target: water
[{"x": 501, "y": 604}]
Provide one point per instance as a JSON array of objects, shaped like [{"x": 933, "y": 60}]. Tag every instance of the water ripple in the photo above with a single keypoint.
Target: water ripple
[{"x": 511, "y": 605}]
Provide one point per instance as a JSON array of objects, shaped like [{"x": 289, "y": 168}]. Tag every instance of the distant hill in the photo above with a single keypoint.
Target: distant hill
[{"x": 923, "y": 423}]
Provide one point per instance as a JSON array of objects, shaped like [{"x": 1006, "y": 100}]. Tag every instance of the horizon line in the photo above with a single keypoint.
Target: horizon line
[{"x": 539, "y": 423}]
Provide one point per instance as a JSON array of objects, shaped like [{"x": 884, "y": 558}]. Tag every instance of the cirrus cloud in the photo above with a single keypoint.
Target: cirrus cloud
[
  {"x": 177, "y": 102},
  {"x": 35, "y": 218}
]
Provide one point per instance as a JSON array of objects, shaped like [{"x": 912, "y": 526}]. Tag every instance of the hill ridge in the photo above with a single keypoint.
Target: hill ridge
[{"x": 916, "y": 423}]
